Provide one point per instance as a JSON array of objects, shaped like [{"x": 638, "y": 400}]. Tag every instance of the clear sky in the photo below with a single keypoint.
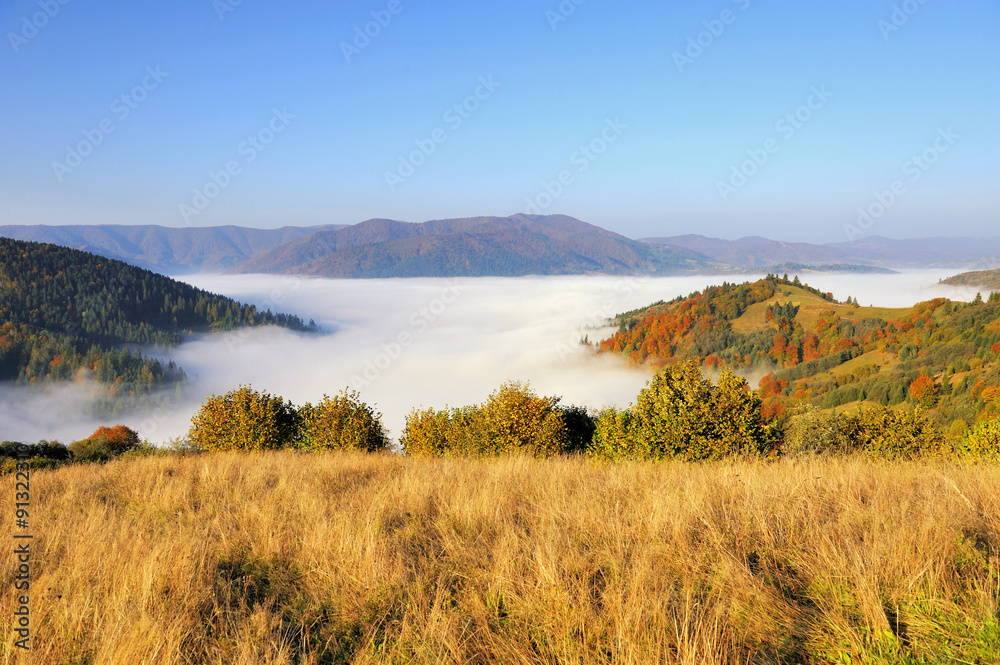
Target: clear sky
[{"x": 720, "y": 117}]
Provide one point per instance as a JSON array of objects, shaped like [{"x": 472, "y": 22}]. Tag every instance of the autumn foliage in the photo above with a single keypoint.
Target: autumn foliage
[
  {"x": 513, "y": 419},
  {"x": 342, "y": 422},
  {"x": 244, "y": 419}
]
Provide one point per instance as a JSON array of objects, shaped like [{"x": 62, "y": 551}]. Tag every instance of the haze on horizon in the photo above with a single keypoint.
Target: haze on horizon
[{"x": 726, "y": 118}]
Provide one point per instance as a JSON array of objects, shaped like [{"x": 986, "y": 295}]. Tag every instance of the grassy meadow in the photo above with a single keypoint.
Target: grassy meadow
[{"x": 287, "y": 557}]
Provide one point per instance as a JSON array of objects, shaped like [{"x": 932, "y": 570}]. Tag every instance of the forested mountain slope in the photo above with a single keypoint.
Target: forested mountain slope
[
  {"x": 939, "y": 355},
  {"x": 70, "y": 315}
]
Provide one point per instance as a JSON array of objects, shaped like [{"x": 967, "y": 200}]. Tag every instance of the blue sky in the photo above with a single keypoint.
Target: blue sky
[{"x": 650, "y": 121}]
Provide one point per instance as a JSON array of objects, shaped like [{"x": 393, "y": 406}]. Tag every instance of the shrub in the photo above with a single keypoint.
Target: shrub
[
  {"x": 890, "y": 434},
  {"x": 513, "y": 418},
  {"x": 815, "y": 432},
  {"x": 104, "y": 444},
  {"x": 41, "y": 455},
  {"x": 982, "y": 442},
  {"x": 681, "y": 414},
  {"x": 343, "y": 422},
  {"x": 244, "y": 419}
]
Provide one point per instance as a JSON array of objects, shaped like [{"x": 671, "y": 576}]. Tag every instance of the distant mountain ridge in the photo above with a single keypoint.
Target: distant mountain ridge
[
  {"x": 757, "y": 252},
  {"x": 476, "y": 246},
  {"x": 490, "y": 246},
  {"x": 165, "y": 249}
]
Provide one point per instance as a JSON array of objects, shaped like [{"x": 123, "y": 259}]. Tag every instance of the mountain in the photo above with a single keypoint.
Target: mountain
[
  {"x": 477, "y": 246},
  {"x": 67, "y": 315},
  {"x": 163, "y": 249},
  {"x": 816, "y": 352},
  {"x": 757, "y": 252},
  {"x": 985, "y": 279}
]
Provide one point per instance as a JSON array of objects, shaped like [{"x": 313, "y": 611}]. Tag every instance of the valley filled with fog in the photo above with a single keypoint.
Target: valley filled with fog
[{"x": 405, "y": 343}]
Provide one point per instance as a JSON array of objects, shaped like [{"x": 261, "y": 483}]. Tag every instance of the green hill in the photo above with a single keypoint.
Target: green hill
[
  {"x": 939, "y": 355},
  {"x": 66, "y": 315}
]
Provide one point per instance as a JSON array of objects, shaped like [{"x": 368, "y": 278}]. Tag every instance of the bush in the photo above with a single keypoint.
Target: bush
[
  {"x": 982, "y": 442},
  {"x": 106, "y": 443},
  {"x": 877, "y": 432},
  {"x": 41, "y": 455},
  {"x": 890, "y": 434},
  {"x": 681, "y": 414},
  {"x": 343, "y": 422},
  {"x": 514, "y": 418},
  {"x": 815, "y": 432},
  {"x": 244, "y": 419}
]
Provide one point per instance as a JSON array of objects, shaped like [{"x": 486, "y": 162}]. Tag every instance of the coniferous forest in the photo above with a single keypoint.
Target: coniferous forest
[{"x": 66, "y": 315}]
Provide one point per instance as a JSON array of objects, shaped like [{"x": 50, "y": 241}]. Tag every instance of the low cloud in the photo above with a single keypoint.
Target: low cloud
[{"x": 410, "y": 343}]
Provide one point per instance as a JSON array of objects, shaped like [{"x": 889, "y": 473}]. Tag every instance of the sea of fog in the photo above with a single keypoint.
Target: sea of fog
[{"x": 406, "y": 343}]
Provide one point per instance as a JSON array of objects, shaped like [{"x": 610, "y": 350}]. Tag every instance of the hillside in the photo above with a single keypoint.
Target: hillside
[
  {"x": 983, "y": 279},
  {"x": 69, "y": 315},
  {"x": 166, "y": 250},
  {"x": 940, "y": 355},
  {"x": 351, "y": 558},
  {"x": 480, "y": 246},
  {"x": 757, "y": 252}
]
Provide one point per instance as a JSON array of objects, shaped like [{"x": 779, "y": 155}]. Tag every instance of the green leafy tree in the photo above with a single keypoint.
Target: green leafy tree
[
  {"x": 342, "y": 422},
  {"x": 244, "y": 419},
  {"x": 681, "y": 414}
]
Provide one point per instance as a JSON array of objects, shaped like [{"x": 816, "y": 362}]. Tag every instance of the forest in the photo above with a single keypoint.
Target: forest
[
  {"x": 816, "y": 352},
  {"x": 67, "y": 315}
]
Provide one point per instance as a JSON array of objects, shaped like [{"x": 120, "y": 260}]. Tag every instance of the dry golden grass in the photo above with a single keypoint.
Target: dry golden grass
[{"x": 291, "y": 558}]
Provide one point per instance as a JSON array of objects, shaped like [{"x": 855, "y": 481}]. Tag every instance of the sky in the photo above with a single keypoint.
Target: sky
[{"x": 800, "y": 121}]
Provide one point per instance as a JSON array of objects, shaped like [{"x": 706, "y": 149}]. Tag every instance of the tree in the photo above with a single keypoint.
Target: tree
[
  {"x": 104, "y": 444},
  {"x": 342, "y": 422},
  {"x": 244, "y": 419},
  {"x": 514, "y": 418},
  {"x": 923, "y": 391},
  {"x": 681, "y": 414}
]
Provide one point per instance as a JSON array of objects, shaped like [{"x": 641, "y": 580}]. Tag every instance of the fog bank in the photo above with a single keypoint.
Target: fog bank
[{"x": 420, "y": 343}]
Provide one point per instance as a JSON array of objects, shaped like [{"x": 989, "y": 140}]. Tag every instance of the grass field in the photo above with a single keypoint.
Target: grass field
[{"x": 349, "y": 558}]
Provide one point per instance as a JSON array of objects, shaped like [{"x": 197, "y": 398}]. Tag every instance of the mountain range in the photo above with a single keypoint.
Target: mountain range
[{"x": 489, "y": 246}]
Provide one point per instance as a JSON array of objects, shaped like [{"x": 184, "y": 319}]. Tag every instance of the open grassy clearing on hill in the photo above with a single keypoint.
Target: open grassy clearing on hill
[{"x": 351, "y": 558}]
